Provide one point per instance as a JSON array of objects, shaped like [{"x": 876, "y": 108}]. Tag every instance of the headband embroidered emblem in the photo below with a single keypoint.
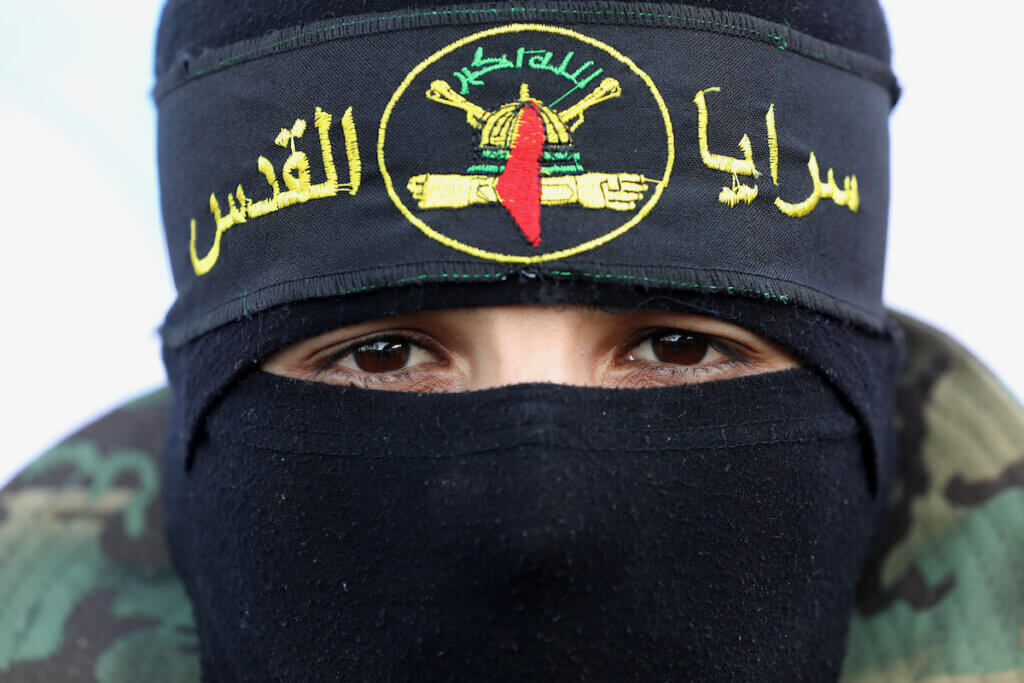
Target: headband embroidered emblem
[{"x": 555, "y": 141}]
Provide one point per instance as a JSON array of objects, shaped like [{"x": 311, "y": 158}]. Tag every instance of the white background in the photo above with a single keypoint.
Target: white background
[{"x": 84, "y": 275}]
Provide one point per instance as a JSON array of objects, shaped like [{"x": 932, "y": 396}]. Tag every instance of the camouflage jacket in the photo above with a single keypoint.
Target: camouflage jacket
[{"x": 87, "y": 592}]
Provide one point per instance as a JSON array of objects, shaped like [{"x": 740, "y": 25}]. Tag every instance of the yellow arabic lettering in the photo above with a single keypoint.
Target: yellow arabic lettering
[
  {"x": 297, "y": 178},
  {"x": 296, "y": 167},
  {"x": 720, "y": 162},
  {"x": 236, "y": 214},
  {"x": 739, "y": 192},
  {"x": 731, "y": 196},
  {"x": 806, "y": 206},
  {"x": 849, "y": 196},
  {"x": 322, "y": 121},
  {"x": 773, "y": 143},
  {"x": 265, "y": 206}
]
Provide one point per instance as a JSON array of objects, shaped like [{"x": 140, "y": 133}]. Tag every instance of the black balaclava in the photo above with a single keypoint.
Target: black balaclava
[{"x": 532, "y": 532}]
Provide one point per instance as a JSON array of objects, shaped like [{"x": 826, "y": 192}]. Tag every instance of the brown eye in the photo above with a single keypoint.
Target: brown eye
[
  {"x": 679, "y": 348},
  {"x": 382, "y": 355}
]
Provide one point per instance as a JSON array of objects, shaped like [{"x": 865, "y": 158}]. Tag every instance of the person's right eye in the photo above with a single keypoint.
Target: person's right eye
[{"x": 380, "y": 358}]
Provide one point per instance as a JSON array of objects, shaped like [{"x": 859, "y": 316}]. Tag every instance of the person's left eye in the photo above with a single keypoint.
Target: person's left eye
[
  {"x": 676, "y": 347},
  {"x": 676, "y": 354}
]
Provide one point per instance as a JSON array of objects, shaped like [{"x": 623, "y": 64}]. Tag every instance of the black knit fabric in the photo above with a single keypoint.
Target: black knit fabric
[
  {"x": 715, "y": 554},
  {"x": 530, "y": 533},
  {"x": 188, "y": 26}
]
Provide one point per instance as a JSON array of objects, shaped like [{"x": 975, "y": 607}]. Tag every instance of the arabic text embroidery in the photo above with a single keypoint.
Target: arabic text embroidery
[
  {"x": 848, "y": 195},
  {"x": 541, "y": 60},
  {"x": 297, "y": 180}
]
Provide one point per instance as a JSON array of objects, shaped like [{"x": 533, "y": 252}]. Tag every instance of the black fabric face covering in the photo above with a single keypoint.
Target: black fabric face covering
[{"x": 533, "y": 532}]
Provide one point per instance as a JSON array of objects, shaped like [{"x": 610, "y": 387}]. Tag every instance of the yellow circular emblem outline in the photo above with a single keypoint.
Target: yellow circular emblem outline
[{"x": 512, "y": 258}]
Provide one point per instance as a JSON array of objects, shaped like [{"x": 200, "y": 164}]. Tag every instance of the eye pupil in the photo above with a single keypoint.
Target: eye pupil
[
  {"x": 382, "y": 355},
  {"x": 679, "y": 348}
]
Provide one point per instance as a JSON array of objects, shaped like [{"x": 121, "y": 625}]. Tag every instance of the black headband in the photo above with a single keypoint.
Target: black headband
[{"x": 664, "y": 146}]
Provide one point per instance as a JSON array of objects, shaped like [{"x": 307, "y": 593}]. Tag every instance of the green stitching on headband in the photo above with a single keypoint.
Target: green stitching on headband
[{"x": 781, "y": 42}]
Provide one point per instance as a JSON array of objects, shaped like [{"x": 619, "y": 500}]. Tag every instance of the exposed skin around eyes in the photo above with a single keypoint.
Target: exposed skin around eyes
[{"x": 465, "y": 349}]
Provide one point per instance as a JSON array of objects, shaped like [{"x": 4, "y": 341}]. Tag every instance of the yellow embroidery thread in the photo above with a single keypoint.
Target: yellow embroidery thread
[
  {"x": 806, "y": 206},
  {"x": 355, "y": 164},
  {"x": 730, "y": 196},
  {"x": 616, "y": 191},
  {"x": 773, "y": 143},
  {"x": 720, "y": 162},
  {"x": 297, "y": 178},
  {"x": 849, "y": 196},
  {"x": 608, "y": 193}
]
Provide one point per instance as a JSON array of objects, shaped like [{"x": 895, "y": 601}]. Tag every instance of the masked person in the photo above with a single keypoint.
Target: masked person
[
  {"x": 532, "y": 155},
  {"x": 537, "y": 342}
]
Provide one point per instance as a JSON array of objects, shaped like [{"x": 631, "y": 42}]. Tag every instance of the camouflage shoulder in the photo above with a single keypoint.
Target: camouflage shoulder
[
  {"x": 87, "y": 591},
  {"x": 942, "y": 597}
]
